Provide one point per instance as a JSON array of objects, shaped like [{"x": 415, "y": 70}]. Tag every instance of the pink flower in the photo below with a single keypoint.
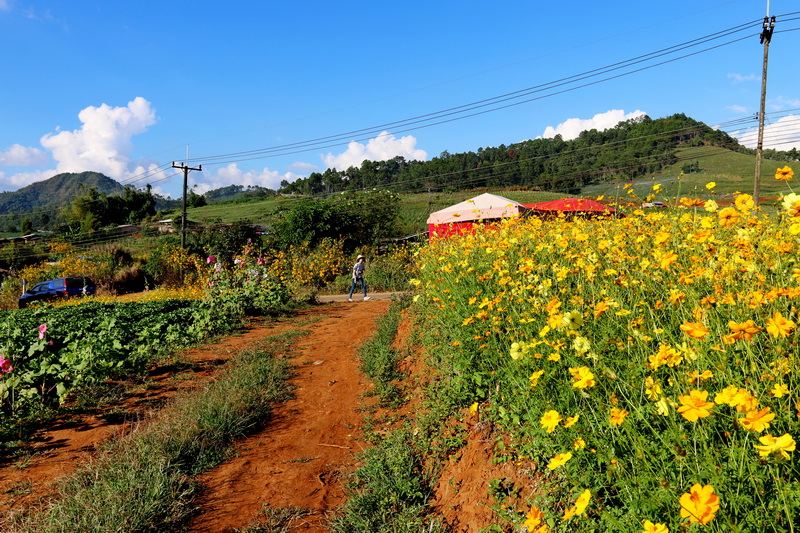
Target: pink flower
[
  {"x": 42, "y": 331},
  {"x": 260, "y": 261},
  {"x": 5, "y": 365},
  {"x": 211, "y": 259}
]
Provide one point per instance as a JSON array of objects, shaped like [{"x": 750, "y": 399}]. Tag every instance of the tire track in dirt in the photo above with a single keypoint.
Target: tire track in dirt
[{"x": 299, "y": 459}]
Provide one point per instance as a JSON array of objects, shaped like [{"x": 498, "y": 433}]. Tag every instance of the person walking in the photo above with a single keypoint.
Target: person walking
[{"x": 358, "y": 276}]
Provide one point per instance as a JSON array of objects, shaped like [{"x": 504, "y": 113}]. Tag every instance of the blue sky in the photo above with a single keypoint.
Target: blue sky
[{"x": 123, "y": 87}]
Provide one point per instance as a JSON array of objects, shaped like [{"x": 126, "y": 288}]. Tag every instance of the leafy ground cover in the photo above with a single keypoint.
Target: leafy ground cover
[
  {"x": 646, "y": 364},
  {"x": 48, "y": 351}
]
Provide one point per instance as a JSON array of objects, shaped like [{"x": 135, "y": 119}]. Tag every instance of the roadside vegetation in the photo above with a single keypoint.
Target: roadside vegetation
[{"x": 646, "y": 364}]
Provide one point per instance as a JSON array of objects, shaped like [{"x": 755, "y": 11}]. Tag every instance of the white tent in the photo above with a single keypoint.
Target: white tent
[{"x": 460, "y": 217}]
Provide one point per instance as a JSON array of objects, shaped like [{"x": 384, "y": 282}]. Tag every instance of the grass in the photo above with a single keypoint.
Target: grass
[
  {"x": 379, "y": 359},
  {"x": 275, "y": 520},
  {"x": 731, "y": 171},
  {"x": 143, "y": 482}
]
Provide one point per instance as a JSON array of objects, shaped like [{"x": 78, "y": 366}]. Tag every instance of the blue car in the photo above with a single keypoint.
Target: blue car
[{"x": 58, "y": 288}]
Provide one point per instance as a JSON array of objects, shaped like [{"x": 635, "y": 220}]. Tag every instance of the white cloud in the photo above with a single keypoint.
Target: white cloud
[
  {"x": 303, "y": 167},
  {"x": 384, "y": 146},
  {"x": 741, "y": 78},
  {"x": 737, "y": 108},
  {"x": 103, "y": 143},
  {"x": 21, "y": 179},
  {"x": 233, "y": 175},
  {"x": 23, "y": 156},
  {"x": 781, "y": 102},
  {"x": 780, "y": 135},
  {"x": 572, "y": 127}
]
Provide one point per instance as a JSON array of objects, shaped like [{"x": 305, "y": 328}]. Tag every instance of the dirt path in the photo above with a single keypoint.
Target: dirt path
[
  {"x": 313, "y": 439},
  {"x": 299, "y": 458}
]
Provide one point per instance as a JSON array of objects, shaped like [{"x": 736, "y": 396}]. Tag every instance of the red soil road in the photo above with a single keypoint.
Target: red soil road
[
  {"x": 302, "y": 456},
  {"x": 296, "y": 461}
]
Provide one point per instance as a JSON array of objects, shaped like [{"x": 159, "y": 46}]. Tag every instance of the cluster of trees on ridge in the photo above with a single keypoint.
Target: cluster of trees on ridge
[{"x": 632, "y": 149}]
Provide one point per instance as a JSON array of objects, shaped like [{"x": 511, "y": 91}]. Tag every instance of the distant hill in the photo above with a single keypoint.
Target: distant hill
[
  {"x": 631, "y": 150},
  {"x": 55, "y": 192}
]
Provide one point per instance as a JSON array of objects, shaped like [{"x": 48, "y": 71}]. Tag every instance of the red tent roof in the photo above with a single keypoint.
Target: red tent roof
[{"x": 582, "y": 205}]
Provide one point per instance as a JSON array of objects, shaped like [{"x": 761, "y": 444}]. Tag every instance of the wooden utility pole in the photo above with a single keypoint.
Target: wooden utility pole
[
  {"x": 186, "y": 170},
  {"x": 766, "y": 36}
]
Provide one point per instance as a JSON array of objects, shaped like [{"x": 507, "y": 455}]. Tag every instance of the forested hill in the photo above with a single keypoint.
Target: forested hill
[
  {"x": 56, "y": 191},
  {"x": 631, "y": 149}
]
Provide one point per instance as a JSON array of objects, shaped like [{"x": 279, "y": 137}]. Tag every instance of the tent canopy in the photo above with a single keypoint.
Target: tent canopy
[
  {"x": 574, "y": 205},
  {"x": 487, "y": 206}
]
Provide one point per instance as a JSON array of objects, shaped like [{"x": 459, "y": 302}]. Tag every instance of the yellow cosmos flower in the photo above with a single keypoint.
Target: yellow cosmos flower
[
  {"x": 784, "y": 174},
  {"x": 700, "y": 504},
  {"x": 650, "y": 527},
  {"x": 550, "y": 420},
  {"x": 779, "y": 391},
  {"x": 581, "y": 345},
  {"x": 710, "y": 185},
  {"x": 791, "y": 203},
  {"x": 652, "y": 388},
  {"x": 617, "y": 416},
  {"x": 694, "y": 405},
  {"x": 583, "y": 501},
  {"x": 559, "y": 460},
  {"x": 778, "y": 326},
  {"x": 663, "y": 405},
  {"x": 572, "y": 320},
  {"x": 744, "y": 202},
  {"x": 757, "y": 420},
  {"x": 570, "y": 421},
  {"x": 578, "y": 444},
  {"x": 695, "y": 330},
  {"x": 584, "y": 379},
  {"x": 783, "y": 444},
  {"x": 711, "y": 206},
  {"x": 473, "y": 409}
]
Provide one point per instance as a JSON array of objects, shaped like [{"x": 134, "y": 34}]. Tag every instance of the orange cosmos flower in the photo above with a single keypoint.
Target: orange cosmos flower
[
  {"x": 584, "y": 379},
  {"x": 744, "y": 330},
  {"x": 728, "y": 216},
  {"x": 534, "y": 521},
  {"x": 617, "y": 416},
  {"x": 696, "y": 330},
  {"x": 784, "y": 174},
  {"x": 700, "y": 504},
  {"x": 778, "y": 326},
  {"x": 694, "y": 405},
  {"x": 757, "y": 420}
]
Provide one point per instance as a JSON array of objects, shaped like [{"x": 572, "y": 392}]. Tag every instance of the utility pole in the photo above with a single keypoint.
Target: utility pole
[
  {"x": 186, "y": 170},
  {"x": 766, "y": 36}
]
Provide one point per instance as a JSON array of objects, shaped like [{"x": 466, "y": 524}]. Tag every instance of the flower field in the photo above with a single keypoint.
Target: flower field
[{"x": 647, "y": 365}]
